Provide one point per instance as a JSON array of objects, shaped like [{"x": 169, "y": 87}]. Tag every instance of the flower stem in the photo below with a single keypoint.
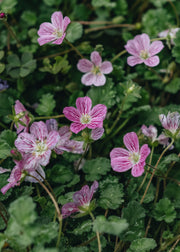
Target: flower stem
[
  {"x": 74, "y": 48},
  {"x": 118, "y": 55},
  {"x": 162, "y": 154},
  {"x": 56, "y": 207},
  {"x": 48, "y": 117},
  {"x": 97, "y": 233},
  {"x": 150, "y": 160}
]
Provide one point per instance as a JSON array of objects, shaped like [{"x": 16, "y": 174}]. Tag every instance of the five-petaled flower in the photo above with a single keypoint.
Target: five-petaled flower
[
  {"x": 81, "y": 201},
  {"x": 170, "y": 34},
  {"x": 37, "y": 144},
  {"x": 123, "y": 160},
  {"x": 94, "y": 70},
  {"x": 55, "y": 31},
  {"x": 143, "y": 51},
  {"x": 84, "y": 116},
  {"x": 171, "y": 123}
]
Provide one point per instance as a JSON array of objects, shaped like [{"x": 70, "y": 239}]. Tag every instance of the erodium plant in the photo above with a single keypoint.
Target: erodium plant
[{"x": 90, "y": 126}]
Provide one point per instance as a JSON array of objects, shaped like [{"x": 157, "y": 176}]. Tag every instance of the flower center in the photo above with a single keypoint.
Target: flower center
[
  {"x": 144, "y": 54},
  {"x": 40, "y": 148},
  {"x": 134, "y": 157},
  {"x": 85, "y": 119},
  {"x": 96, "y": 70},
  {"x": 58, "y": 33}
]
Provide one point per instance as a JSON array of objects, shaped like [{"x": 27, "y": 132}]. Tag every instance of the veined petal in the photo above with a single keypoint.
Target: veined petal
[
  {"x": 68, "y": 209},
  {"x": 25, "y": 142},
  {"x": 121, "y": 164},
  {"x": 46, "y": 29},
  {"x": 119, "y": 152},
  {"x": 65, "y": 133},
  {"x": 96, "y": 58},
  {"x": 96, "y": 122},
  {"x": 81, "y": 197},
  {"x": 39, "y": 130},
  {"x": 144, "y": 152},
  {"x": 5, "y": 188},
  {"x": 34, "y": 173},
  {"x": 52, "y": 139},
  {"x": 77, "y": 127},
  {"x": 137, "y": 170},
  {"x": 84, "y": 105},
  {"x": 152, "y": 61},
  {"x": 155, "y": 47},
  {"x": 72, "y": 114},
  {"x": 99, "y": 110},
  {"x": 45, "y": 39},
  {"x": 51, "y": 125},
  {"x": 57, "y": 20},
  {"x": 93, "y": 189},
  {"x": 134, "y": 60},
  {"x": 66, "y": 21},
  {"x": 88, "y": 79},
  {"x": 84, "y": 65},
  {"x": 106, "y": 67},
  {"x": 100, "y": 80},
  {"x": 44, "y": 159},
  {"x": 97, "y": 133},
  {"x": 131, "y": 48},
  {"x": 143, "y": 41},
  {"x": 131, "y": 142},
  {"x": 59, "y": 40}
]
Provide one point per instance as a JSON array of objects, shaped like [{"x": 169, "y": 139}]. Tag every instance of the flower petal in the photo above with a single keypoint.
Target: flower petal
[
  {"x": 84, "y": 65},
  {"x": 121, "y": 164},
  {"x": 134, "y": 60},
  {"x": 44, "y": 159},
  {"x": 119, "y": 152},
  {"x": 68, "y": 209},
  {"x": 143, "y": 42},
  {"x": 81, "y": 197},
  {"x": 25, "y": 142},
  {"x": 100, "y": 80},
  {"x": 144, "y": 152},
  {"x": 76, "y": 127},
  {"x": 39, "y": 130},
  {"x": 155, "y": 47},
  {"x": 52, "y": 139},
  {"x": 65, "y": 133},
  {"x": 106, "y": 67},
  {"x": 52, "y": 124},
  {"x": 131, "y": 142},
  {"x": 84, "y": 105},
  {"x": 45, "y": 39},
  {"x": 97, "y": 133},
  {"x": 59, "y": 40},
  {"x": 57, "y": 20},
  {"x": 96, "y": 58},
  {"x": 99, "y": 110},
  {"x": 66, "y": 21},
  {"x": 93, "y": 189},
  {"x": 88, "y": 79},
  {"x": 152, "y": 61},
  {"x": 96, "y": 122},
  {"x": 72, "y": 114},
  {"x": 137, "y": 170},
  {"x": 46, "y": 29}
]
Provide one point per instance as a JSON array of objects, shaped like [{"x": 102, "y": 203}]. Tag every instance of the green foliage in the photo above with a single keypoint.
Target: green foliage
[
  {"x": 164, "y": 210},
  {"x": 176, "y": 49},
  {"x": 142, "y": 245},
  {"x": 74, "y": 32},
  {"x": 20, "y": 68},
  {"x": 111, "y": 193},
  {"x": 103, "y": 3},
  {"x": 9, "y": 5},
  {"x": 114, "y": 225},
  {"x": 29, "y": 18},
  {"x": 61, "y": 174},
  {"x": 174, "y": 86},
  {"x": 7, "y": 138},
  {"x": 95, "y": 168},
  {"x": 172, "y": 193},
  {"x": 47, "y": 105},
  {"x": 84, "y": 227},
  {"x": 103, "y": 95}
]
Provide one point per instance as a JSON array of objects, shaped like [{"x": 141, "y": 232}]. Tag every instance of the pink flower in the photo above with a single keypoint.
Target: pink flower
[
  {"x": 84, "y": 116},
  {"x": 37, "y": 144},
  {"x": 150, "y": 132},
  {"x": 55, "y": 31},
  {"x": 169, "y": 33},
  {"x": 81, "y": 200},
  {"x": 143, "y": 51},
  {"x": 171, "y": 122},
  {"x": 164, "y": 140},
  {"x": 22, "y": 116},
  {"x": 94, "y": 69},
  {"x": 133, "y": 158},
  {"x": 97, "y": 133}
]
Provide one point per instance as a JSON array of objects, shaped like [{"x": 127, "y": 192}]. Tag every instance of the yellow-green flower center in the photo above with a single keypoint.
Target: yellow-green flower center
[
  {"x": 85, "y": 119},
  {"x": 58, "y": 33},
  {"x": 134, "y": 157},
  {"x": 96, "y": 70},
  {"x": 144, "y": 54},
  {"x": 40, "y": 148}
]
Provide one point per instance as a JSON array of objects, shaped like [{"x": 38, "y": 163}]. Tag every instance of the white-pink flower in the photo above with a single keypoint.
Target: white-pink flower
[
  {"x": 150, "y": 132},
  {"x": 21, "y": 116},
  {"x": 55, "y": 31},
  {"x": 84, "y": 116},
  {"x": 94, "y": 70},
  {"x": 171, "y": 122},
  {"x": 122, "y": 160},
  {"x": 171, "y": 33},
  {"x": 143, "y": 51},
  {"x": 37, "y": 144}
]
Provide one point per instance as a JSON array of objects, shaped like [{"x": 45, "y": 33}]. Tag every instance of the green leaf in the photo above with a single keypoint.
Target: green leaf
[
  {"x": 29, "y": 17},
  {"x": 103, "y": 95},
  {"x": 164, "y": 210},
  {"x": 84, "y": 227},
  {"x": 174, "y": 86},
  {"x": 172, "y": 193},
  {"x": 142, "y": 245},
  {"x": 1, "y": 54},
  {"x": 95, "y": 168},
  {"x": 114, "y": 225},
  {"x": 2, "y": 67},
  {"x": 103, "y": 3},
  {"x": 47, "y": 233},
  {"x": 8, "y": 5},
  {"x": 52, "y": 2},
  {"x": 47, "y": 104},
  {"x": 13, "y": 60},
  {"x": 111, "y": 193},
  {"x": 74, "y": 32},
  {"x": 61, "y": 174},
  {"x": 7, "y": 139},
  {"x": 176, "y": 49}
]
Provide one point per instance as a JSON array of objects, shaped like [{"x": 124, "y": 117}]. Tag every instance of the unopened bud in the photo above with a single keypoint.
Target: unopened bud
[{"x": 2, "y": 15}]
